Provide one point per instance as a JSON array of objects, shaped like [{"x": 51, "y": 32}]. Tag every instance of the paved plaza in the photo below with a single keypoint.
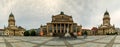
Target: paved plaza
[{"x": 90, "y": 41}]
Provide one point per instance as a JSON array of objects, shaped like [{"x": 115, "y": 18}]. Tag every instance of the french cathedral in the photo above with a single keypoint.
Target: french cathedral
[
  {"x": 12, "y": 29},
  {"x": 106, "y": 27}
]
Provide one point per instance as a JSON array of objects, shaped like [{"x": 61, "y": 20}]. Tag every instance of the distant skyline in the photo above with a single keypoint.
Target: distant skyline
[{"x": 33, "y": 13}]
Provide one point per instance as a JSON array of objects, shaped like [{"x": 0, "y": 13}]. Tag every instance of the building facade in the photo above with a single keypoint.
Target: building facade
[
  {"x": 1, "y": 32},
  {"x": 106, "y": 27},
  {"x": 94, "y": 30},
  {"x": 59, "y": 25},
  {"x": 89, "y": 32},
  {"x": 12, "y": 29}
]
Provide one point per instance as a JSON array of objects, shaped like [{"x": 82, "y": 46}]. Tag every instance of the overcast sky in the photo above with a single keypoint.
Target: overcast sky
[{"x": 32, "y": 13}]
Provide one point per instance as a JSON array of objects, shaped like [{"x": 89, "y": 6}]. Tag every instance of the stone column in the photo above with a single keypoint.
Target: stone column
[
  {"x": 53, "y": 28},
  {"x": 60, "y": 27},
  {"x": 71, "y": 27},
  {"x": 56, "y": 29},
  {"x": 64, "y": 28},
  {"x": 68, "y": 27}
]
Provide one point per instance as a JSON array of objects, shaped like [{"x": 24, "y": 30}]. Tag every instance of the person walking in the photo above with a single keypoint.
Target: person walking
[{"x": 85, "y": 34}]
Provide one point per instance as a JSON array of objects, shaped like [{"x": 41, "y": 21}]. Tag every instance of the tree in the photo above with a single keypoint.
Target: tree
[
  {"x": 33, "y": 33},
  {"x": 26, "y": 33},
  {"x": 85, "y": 33}
]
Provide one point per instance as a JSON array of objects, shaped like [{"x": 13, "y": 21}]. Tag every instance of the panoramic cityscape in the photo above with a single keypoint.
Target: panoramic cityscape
[{"x": 59, "y": 23}]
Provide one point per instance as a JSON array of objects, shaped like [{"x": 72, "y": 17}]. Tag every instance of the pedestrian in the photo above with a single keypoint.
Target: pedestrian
[{"x": 85, "y": 34}]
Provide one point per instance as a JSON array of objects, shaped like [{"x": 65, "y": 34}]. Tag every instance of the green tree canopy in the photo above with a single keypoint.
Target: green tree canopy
[
  {"x": 85, "y": 33},
  {"x": 26, "y": 33},
  {"x": 33, "y": 33}
]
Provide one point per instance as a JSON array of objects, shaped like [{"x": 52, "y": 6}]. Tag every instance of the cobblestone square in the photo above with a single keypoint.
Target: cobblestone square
[{"x": 90, "y": 41}]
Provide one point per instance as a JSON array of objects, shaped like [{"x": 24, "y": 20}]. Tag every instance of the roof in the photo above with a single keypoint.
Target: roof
[
  {"x": 62, "y": 14},
  {"x": 85, "y": 29},
  {"x": 106, "y": 13},
  {"x": 62, "y": 18},
  {"x": 11, "y": 15},
  {"x": 1, "y": 29}
]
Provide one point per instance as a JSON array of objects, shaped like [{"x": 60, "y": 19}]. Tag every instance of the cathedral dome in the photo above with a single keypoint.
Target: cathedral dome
[
  {"x": 106, "y": 15},
  {"x": 11, "y": 15}
]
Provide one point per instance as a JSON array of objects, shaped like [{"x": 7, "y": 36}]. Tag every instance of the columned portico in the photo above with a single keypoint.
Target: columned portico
[
  {"x": 60, "y": 23},
  {"x": 61, "y": 27}
]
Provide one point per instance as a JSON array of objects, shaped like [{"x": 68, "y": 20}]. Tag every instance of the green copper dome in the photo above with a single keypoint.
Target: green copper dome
[
  {"x": 106, "y": 13},
  {"x": 11, "y": 15},
  {"x": 62, "y": 13}
]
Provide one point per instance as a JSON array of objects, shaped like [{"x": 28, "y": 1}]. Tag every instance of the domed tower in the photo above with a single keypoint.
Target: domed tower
[
  {"x": 11, "y": 20},
  {"x": 106, "y": 27},
  {"x": 106, "y": 19}
]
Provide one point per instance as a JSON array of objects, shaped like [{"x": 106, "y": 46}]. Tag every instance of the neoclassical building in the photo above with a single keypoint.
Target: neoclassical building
[
  {"x": 59, "y": 25},
  {"x": 106, "y": 27},
  {"x": 12, "y": 29}
]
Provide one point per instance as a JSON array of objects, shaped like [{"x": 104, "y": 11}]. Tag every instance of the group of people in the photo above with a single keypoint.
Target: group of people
[{"x": 74, "y": 35}]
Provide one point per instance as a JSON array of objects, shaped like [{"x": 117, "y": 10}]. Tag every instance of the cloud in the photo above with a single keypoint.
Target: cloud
[
  {"x": 115, "y": 17},
  {"x": 5, "y": 8},
  {"x": 33, "y": 13}
]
